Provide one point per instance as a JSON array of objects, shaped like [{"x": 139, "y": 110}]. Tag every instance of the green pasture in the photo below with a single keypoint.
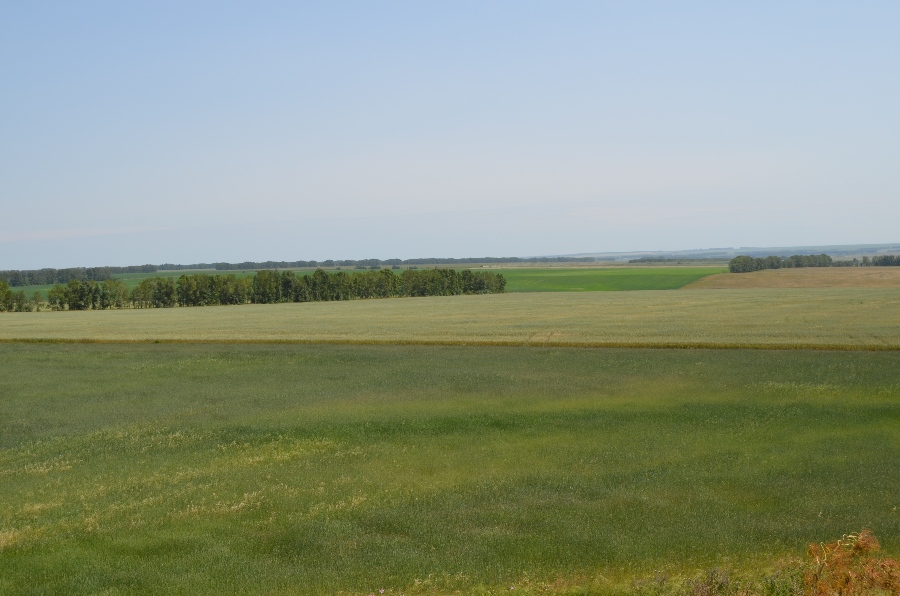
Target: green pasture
[
  {"x": 228, "y": 469},
  {"x": 577, "y": 279}
]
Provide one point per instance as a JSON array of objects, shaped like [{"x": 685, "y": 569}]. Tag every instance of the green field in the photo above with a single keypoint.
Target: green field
[
  {"x": 199, "y": 469},
  {"x": 464, "y": 444},
  {"x": 577, "y": 279}
]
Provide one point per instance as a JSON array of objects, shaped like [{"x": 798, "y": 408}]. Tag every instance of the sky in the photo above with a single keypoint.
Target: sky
[{"x": 187, "y": 131}]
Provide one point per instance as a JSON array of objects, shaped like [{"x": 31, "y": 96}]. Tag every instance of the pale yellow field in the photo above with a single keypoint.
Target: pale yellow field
[
  {"x": 810, "y": 277},
  {"x": 845, "y": 317}
]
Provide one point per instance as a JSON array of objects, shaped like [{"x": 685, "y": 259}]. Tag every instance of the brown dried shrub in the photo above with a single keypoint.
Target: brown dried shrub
[{"x": 850, "y": 567}]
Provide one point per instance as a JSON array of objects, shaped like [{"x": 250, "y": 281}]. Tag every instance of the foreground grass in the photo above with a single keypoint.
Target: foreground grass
[
  {"x": 581, "y": 279},
  {"x": 815, "y": 318},
  {"x": 318, "y": 469}
]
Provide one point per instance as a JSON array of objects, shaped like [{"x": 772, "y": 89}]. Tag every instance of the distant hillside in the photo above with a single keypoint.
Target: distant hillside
[{"x": 837, "y": 250}]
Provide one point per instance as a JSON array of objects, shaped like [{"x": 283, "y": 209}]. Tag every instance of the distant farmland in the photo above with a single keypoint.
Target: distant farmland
[
  {"x": 520, "y": 279},
  {"x": 808, "y": 277},
  {"x": 583, "y": 279}
]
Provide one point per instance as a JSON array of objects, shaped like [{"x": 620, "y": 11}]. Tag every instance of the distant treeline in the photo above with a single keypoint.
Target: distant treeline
[
  {"x": 744, "y": 264},
  {"x": 879, "y": 261},
  {"x": 651, "y": 260},
  {"x": 375, "y": 263},
  {"x": 269, "y": 286},
  {"x": 43, "y": 277}
]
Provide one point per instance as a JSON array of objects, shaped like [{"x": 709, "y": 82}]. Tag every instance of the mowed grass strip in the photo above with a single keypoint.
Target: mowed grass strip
[
  {"x": 815, "y": 318},
  {"x": 608, "y": 279},
  {"x": 809, "y": 277},
  {"x": 201, "y": 469}
]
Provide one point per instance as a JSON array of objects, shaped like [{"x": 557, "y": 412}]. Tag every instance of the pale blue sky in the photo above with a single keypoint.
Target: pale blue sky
[{"x": 204, "y": 131}]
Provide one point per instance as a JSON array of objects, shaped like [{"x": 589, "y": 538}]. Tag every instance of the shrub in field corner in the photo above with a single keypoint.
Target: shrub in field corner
[{"x": 849, "y": 567}]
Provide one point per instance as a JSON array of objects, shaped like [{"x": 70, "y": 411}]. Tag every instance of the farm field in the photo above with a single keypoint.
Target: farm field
[
  {"x": 520, "y": 279},
  {"x": 580, "y": 279},
  {"x": 811, "y": 277},
  {"x": 788, "y": 318},
  {"x": 200, "y": 469}
]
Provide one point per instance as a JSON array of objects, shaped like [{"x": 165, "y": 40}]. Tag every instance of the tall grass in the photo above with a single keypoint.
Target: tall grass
[{"x": 319, "y": 469}]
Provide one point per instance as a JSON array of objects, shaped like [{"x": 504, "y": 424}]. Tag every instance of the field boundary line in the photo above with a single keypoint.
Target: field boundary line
[{"x": 483, "y": 343}]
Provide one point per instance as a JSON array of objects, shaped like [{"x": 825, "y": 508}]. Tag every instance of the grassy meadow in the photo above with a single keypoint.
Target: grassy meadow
[{"x": 200, "y": 469}]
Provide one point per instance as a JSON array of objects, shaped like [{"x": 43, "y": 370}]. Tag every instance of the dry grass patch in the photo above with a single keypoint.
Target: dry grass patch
[{"x": 813, "y": 277}]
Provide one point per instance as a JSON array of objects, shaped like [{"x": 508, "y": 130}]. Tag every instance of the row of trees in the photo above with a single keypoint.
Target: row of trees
[
  {"x": 268, "y": 287},
  {"x": 42, "y": 277},
  {"x": 745, "y": 264},
  {"x": 13, "y": 301},
  {"x": 879, "y": 261},
  {"x": 682, "y": 260},
  {"x": 86, "y": 295},
  {"x": 379, "y": 263},
  {"x": 39, "y": 277}
]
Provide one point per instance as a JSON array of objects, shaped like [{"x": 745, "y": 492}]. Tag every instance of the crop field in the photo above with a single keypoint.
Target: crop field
[
  {"x": 581, "y": 279},
  {"x": 546, "y": 442},
  {"x": 520, "y": 279},
  {"x": 813, "y": 318},
  {"x": 811, "y": 277},
  {"x": 201, "y": 469}
]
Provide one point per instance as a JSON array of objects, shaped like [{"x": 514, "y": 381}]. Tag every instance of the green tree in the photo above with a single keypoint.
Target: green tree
[
  {"x": 5, "y": 296},
  {"x": 266, "y": 287}
]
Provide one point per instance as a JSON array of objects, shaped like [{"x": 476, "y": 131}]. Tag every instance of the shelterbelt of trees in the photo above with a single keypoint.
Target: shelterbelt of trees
[
  {"x": 42, "y": 277},
  {"x": 879, "y": 261},
  {"x": 267, "y": 287},
  {"x": 371, "y": 263},
  {"x": 745, "y": 264}
]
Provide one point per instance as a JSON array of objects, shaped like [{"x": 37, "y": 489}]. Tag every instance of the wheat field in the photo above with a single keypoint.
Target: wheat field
[{"x": 856, "y": 318}]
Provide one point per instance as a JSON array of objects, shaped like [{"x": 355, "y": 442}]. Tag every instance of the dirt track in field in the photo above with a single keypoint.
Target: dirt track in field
[{"x": 813, "y": 277}]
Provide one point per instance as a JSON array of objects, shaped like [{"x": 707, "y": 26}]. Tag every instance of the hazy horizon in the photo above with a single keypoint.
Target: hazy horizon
[{"x": 185, "y": 133}]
